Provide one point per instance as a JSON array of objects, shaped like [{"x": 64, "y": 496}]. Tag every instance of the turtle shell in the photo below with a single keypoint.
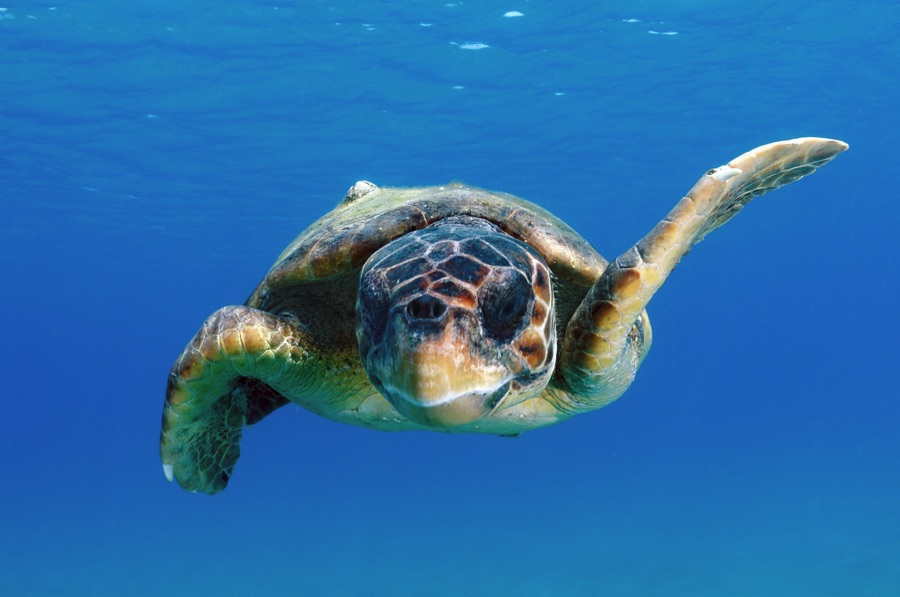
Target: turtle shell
[{"x": 370, "y": 217}]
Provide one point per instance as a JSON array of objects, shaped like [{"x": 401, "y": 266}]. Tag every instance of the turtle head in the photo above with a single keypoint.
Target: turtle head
[{"x": 455, "y": 321}]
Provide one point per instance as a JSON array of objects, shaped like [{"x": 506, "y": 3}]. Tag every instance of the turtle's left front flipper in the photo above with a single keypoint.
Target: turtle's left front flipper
[{"x": 609, "y": 335}]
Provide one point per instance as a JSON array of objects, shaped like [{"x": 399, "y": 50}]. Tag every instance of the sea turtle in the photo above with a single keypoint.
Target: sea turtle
[{"x": 445, "y": 308}]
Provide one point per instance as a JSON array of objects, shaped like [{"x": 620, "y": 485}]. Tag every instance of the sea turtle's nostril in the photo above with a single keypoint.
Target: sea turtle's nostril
[{"x": 425, "y": 308}]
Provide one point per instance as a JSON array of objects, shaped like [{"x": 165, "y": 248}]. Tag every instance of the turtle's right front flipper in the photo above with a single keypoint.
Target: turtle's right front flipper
[
  {"x": 609, "y": 335},
  {"x": 227, "y": 376}
]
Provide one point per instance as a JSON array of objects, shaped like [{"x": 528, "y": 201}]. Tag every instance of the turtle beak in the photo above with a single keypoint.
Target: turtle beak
[
  {"x": 455, "y": 411},
  {"x": 438, "y": 390},
  {"x": 430, "y": 371}
]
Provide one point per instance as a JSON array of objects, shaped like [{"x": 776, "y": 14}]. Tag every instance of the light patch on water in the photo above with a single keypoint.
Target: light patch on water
[
  {"x": 663, "y": 32},
  {"x": 631, "y": 20},
  {"x": 470, "y": 45},
  {"x": 513, "y": 13}
]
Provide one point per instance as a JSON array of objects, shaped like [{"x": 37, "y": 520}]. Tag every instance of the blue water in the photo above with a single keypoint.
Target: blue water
[{"x": 155, "y": 158}]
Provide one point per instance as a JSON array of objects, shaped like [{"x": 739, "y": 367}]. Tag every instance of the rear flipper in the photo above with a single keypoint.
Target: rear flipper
[{"x": 608, "y": 336}]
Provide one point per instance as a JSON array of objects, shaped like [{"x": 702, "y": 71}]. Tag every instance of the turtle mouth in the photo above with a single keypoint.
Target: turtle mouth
[
  {"x": 440, "y": 378},
  {"x": 449, "y": 410}
]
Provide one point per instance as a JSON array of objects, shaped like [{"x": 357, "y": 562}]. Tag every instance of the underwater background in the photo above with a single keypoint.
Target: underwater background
[{"x": 156, "y": 157}]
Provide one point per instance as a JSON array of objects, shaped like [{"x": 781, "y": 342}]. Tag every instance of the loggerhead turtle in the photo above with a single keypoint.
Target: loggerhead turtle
[{"x": 444, "y": 308}]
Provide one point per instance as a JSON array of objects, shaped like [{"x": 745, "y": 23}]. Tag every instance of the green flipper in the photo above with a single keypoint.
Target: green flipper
[{"x": 215, "y": 388}]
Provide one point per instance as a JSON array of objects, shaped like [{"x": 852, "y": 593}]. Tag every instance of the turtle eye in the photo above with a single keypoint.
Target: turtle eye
[
  {"x": 372, "y": 305},
  {"x": 504, "y": 305}
]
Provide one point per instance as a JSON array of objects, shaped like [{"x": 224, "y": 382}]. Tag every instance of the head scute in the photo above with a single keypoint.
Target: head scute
[{"x": 449, "y": 322}]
